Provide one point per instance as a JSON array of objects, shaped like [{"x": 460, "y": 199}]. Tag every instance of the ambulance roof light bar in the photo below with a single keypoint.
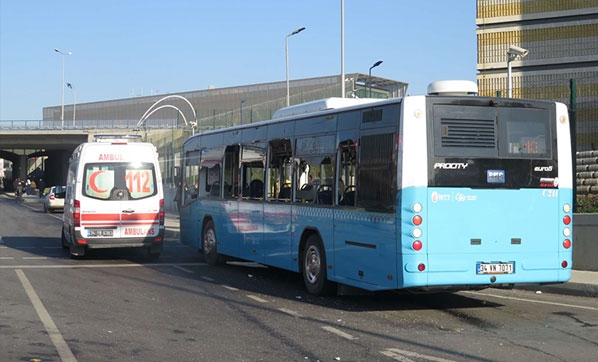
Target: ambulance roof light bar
[{"x": 116, "y": 138}]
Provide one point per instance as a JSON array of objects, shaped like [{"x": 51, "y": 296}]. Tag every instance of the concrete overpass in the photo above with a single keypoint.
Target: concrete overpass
[
  {"x": 19, "y": 146},
  {"x": 54, "y": 145}
]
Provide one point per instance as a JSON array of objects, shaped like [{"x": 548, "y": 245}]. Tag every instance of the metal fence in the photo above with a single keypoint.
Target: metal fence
[{"x": 88, "y": 124}]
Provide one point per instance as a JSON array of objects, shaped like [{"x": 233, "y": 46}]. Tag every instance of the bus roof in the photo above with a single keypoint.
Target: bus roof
[{"x": 321, "y": 105}]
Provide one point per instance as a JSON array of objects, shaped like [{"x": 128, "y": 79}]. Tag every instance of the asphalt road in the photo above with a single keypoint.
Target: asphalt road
[{"x": 116, "y": 305}]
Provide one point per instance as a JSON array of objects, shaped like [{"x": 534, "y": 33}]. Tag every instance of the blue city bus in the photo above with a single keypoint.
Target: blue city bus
[{"x": 444, "y": 191}]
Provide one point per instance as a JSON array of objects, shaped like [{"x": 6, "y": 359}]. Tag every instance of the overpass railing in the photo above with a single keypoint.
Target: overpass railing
[{"x": 88, "y": 124}]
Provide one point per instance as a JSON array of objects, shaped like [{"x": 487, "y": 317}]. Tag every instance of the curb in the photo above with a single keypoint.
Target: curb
[{"x": 569, "y": 288}]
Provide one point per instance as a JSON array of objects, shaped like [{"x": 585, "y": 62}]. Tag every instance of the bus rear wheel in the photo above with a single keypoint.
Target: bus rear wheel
[
  {"x": 210, "y": 245},
  {"x": 314, "y": 267}
]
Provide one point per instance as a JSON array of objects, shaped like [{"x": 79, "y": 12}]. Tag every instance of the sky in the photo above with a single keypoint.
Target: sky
[{"x": 124, "y": 49}]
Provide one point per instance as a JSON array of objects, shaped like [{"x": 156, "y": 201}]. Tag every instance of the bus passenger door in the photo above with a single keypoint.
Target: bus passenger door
[
  {"x": 188, "y": 194},
  {"x": 250, "y": 221},
  {"x": 277, "y": 208}
]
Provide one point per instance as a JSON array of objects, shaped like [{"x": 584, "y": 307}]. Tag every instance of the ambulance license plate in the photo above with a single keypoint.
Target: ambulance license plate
[
  {"x": 99, "y": 232},
  {"x": 495, "y": 268}
]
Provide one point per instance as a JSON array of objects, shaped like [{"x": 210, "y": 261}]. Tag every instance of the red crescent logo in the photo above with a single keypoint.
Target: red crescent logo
[{"x": 92, "y": 182}]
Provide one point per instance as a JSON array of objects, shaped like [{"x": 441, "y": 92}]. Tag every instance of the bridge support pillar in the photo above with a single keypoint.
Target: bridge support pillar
[
  {"x": 20, "y": 167},
  {"x": 56, "y": 167}
]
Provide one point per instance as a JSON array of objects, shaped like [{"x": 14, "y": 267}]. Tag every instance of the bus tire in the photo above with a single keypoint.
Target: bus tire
[
  {"x": 314, "y": 272},
  {"x": 209, "y": 244}
]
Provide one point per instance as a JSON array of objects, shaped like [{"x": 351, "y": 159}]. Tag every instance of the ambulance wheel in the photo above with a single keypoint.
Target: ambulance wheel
[
  {"x": 76, "y": 252},
  {"x": 209, "y": 245},
  {"x": 154, "y": 253},
  {"x": 63, "y": 241}
]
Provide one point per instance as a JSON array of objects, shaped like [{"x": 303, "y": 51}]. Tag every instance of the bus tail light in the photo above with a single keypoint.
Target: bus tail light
[
  {"x": 417, "y": 220},
  {"x": 567, "y": 220},
  {"x": 77, "y": 214},
  {"x": 421, "y": 267},
  {"x": 567, "y": 243},
  {"x": 564, "y": 264},
  {"x": 417, "y": 245}
]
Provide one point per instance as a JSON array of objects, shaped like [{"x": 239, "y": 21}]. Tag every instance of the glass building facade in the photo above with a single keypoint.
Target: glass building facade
[{"x": 562, "y": 40}]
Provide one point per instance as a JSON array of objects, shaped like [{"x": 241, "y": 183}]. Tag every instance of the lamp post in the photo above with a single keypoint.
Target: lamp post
[
  {"x": 343, "y": 49},
  {"x": 241, "y": 109},
  {"x": 70, "y": 85},
  {"x": 62, "y": 84},
  {"x": 370, "y": 75},
  {"x": 513, "y": 53},
  {"x": 287, "y": 59}
]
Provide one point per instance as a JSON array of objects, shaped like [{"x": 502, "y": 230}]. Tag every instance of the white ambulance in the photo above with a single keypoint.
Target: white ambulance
[{"x": 114, "y": 196}]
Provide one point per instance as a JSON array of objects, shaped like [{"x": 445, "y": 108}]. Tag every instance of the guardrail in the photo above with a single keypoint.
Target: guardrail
[{"x": 89, "y": 124}]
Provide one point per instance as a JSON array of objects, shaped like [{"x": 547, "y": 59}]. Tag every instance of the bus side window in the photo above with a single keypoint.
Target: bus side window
[
  {"x": 213, "y": 180},
  {"x": 376, "y": 190},
  {"x": 325, "y": 183},
  {"x": 231, "y": 172},
  {"x": 252, "y": 171},
  {"x": 280, "y": 170},
  {"x": 190, "y": 176},
  {"x": 346, "y": 174},
  {"x": 305, "y": 192}
]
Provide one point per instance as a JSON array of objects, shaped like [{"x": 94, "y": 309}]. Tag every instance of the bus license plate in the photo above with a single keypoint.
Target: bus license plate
[
  {"x": 495, "y": 268},
  {"x": 91, "y": 233}
]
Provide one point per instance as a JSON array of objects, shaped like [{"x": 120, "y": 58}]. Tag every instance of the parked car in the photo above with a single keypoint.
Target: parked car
[{"x": 54, "y": 199}]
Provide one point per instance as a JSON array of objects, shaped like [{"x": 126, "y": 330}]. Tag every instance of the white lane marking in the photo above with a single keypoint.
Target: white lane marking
[
  {"x": 256, "y": 298},
  {"x": 6, "y": 257},
  {"x": 188, "y": 271},
  {"x": 61, "y": 347},
  {"x": 208, "y": 279},
  {"x": 35, "y": 257},
  {"x": 290, "y": 312},
  {"x": 338, "y": 332},
  {"x": 533, "y": 301},
  {"x": 402, "y": 355},
  {"x": 230, "y": 288}
]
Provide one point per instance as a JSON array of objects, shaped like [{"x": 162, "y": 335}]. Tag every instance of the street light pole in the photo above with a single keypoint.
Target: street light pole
[
  {"x": 342, "y": 48},
  {"x": 62, "y": 84},
  {"x": 370, "y": 75},
  {"x": 287, "y": 59}
]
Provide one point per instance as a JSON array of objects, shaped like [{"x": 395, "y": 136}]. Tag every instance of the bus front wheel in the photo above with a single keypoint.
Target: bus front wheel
[
  {"x": 314, "y": 267},
  {"x": 210, "y": 245}
]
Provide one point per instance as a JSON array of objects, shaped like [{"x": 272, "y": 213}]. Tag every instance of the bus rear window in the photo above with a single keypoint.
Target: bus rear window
[
  {"x": 101, "y": 180},
  {"x": 527, "y": 138},
  {"x": 492, "y": 132}
]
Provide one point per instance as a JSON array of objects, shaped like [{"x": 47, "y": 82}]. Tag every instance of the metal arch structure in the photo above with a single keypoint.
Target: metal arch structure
[
  {"x": 142, "y": 121},
  {"x": 149, "y": 111}
]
